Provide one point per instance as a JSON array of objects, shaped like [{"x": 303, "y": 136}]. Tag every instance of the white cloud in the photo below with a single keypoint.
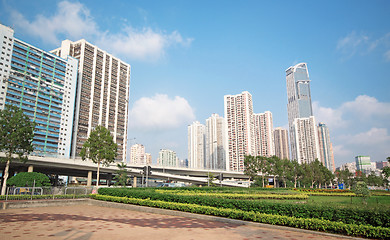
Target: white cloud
[
  {"x": 332, "y": 117},
  {"x": 362, "y": 108},
  {"x": 367, "y": 107},
  {"x": 160, "y": 112},
  {"x": 387, "y": 55},
  {"x": 372, "y": 137},
  {"x": 362, "y": 44},
  {"x": 144, "y": 44},
  {"x": 73, "y": 20},
  {"x": 357, "y": 127}
]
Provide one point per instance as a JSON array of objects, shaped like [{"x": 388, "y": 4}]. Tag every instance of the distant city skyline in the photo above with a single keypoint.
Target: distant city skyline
[{"x": 185, "y": 57}]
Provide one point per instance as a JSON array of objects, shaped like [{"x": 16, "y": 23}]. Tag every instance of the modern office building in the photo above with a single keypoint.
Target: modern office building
[
  {"x": 239, "y": 130},
  {"x": 281, "y": 143},
  {"x": 167, "y": 158},
  {"x": 264, "y": 139},
  {"x": 137, "y": 155},
  {"x": 326, "y": 150},
  {"x": 364, "y": 164},
  {"x": 196, "y": 145},
  {"x": 43, "y": 86},
  {"x": 303, "y": 148},
  {"x": 102, "y": 94},
  {"x": 306, "y": 140},
  {"x": 215, "y": 149}
]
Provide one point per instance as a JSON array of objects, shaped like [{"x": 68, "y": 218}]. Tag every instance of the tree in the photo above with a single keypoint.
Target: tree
[
  {"x": 27, "y": 179},
  {"x": 361, "y": 190},
  {"x": 282, "y": 169},
  {"x": 121, "y": 178},
  {"x": 251, "y": 167},
  {"x": 210, "y": 180},
  {"x": 16, "y": 136},
  {"x": 296, "y": 172},
  {"x": 100, "y": 148}
]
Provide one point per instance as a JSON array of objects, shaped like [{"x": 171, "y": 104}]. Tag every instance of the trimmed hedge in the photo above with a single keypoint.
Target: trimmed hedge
[
  {"x": 236, "y": 195},
  {"x": 345, "y": 215},
  {"x": 305, "y": 223}
]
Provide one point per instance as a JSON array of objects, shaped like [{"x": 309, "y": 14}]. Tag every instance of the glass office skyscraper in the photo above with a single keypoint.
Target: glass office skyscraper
[{"x": 299, "y": 107}]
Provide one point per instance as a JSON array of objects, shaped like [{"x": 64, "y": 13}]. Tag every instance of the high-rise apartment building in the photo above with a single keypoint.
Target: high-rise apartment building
[
  {"x": 148, "y": 159},
  {"x": 326, "y": 150},
  {"x": 167, "y": 158},
  {"x": 281, "y": 143},
  {"x": 239, "y": 130},
  {"x": 137, "y": 154},
  {"x": 306, "y": 139},
  {"x": 303, "y": 148},
  {"x": 215, "y": 149},
  {"x": 196, "y": 145},
  {"x": 44, "y": 87},
  {"x": 264, "y": 142},
  {"x": 102, "y": 94}
]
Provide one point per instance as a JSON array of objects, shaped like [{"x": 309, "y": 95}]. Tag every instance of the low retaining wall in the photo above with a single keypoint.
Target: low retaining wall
[{"x": 43, "y": 203}]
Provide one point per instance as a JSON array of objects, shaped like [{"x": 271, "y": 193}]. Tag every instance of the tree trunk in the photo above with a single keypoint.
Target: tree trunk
[
  {"x": 284, "y": 182},
  {"x": 263, "y": 180},
  {"x": 98, "y": 172},
  {"x": 4, "y": 187},
  {"x": 295, "y": 182}
]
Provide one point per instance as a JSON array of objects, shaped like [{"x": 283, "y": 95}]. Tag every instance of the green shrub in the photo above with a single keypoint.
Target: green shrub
[
  {"x": 345, "y": 215},
  {"x": 26, "y": 179},
  {"x": 308, "y": 223}
]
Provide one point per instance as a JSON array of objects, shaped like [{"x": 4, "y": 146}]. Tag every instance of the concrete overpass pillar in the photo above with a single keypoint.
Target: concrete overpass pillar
[
  {"x": 89, "y": 179},
  {"x": 135, "y": 182},
  {"x": 30, "y": 168},
  {"x": 109, "y": 179}
]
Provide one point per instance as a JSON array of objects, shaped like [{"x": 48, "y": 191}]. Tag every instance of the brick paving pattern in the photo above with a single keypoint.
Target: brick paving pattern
[{"x": 85, "y": 222}]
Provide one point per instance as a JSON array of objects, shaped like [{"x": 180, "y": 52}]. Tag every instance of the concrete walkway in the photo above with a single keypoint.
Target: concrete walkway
[{"x": 85, "y": 221}]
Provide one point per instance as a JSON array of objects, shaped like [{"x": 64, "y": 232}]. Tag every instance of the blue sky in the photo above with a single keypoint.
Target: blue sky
[{"x": 186, "y": 55}]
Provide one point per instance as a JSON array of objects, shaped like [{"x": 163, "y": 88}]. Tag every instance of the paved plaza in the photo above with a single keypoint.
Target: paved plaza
[{"x": 88, "y": 222}]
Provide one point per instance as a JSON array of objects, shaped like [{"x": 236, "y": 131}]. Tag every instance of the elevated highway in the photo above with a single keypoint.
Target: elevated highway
[{"x": 87, "y": 169}]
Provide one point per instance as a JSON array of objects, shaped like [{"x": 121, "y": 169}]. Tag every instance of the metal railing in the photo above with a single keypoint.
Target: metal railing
[{"x": 30, "y": 193}]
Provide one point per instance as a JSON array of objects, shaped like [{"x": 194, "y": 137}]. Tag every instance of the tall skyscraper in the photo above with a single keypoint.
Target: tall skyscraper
[
  {"x": 196, "y": 145},
  {"x": 306, "y": 140},
  {"x": 299, "y": 106},
  {"x": 44, "y": 87},
  {"x": 215, "y": 149},
  {"x": 137, "y": 154},
  {"x": 281, "y": 143},
  {"x": 264, "y": 142},
  {"x": 102, "y": 94},
  {"x": 167, "y": 158},
  {"x": 239, "y": 130},
  {"x": 326, "y": 150}
]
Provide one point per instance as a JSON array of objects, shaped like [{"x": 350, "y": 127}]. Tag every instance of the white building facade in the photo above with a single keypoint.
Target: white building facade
[
  {"x": 264, "y": 139},
  {"x": 281, "y": 143},
  {"x": 239, "y": 130},
  {"x": 137, "y": 155},
  {"x": 196, "y": 145},
  {"x": 215, "y": 149},
  {"x": 306, "y": 140},
  {"x": 102, "y": 94},
  {"x": 326, "y": 149},
  {"x": 167, "y": 158}
]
